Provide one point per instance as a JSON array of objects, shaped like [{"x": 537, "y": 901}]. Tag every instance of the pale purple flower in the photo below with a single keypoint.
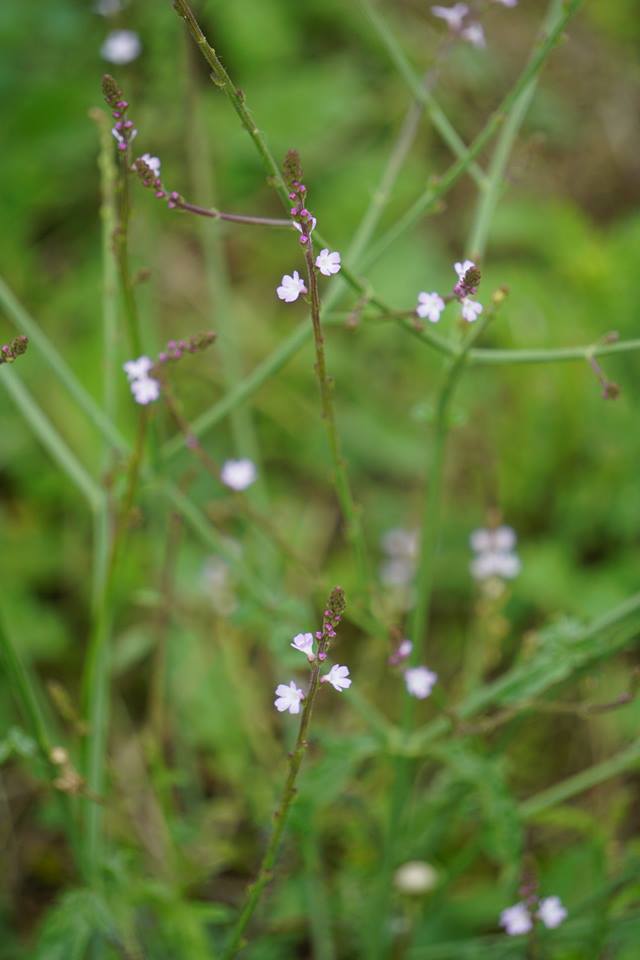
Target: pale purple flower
[
  {"x": 471, "y": 310},
  {"x": 474, "y": 34},
  {"x": 291, "y": 287},
  {"x": 495, "y": 553},
  {"x": 420, "y": 681},
  {"x": 121, "y": 46},
  {"x": 328, "y": 263},
  {"x": 338, "y": 677},
  {"x": 453, "y": 15},
  {"x": 516, "y": 920},
  {"x": 398, "y": 542},
  {"x": 152, "y": 162},
  {"x": 304, "y": 643},
  {"x": 430, "y": 306},
  {"x": 145, "y": 390},
  {"x": 401, "y": 653},
  {"x": 238, "y": 474},
  {"x": 288, "y": 698},
  {"x": 551, "y": 912},
  {"x": 137, "y": 369}
]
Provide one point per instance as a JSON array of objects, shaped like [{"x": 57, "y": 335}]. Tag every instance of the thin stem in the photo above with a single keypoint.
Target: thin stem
[
  {"x": 420, "y": 91},
  {"x": 348, "y": 506},
  {"x": 296, "y": 757},
  {"x": 121, "y": 252},
  {"x": 214, "y": 214},
  {"x": 489, "y": 197},
  {"x": 428, "y": 200}
]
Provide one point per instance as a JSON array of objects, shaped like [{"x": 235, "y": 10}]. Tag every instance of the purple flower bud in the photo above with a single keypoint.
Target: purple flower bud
[
  {"x": 191, "y": 441},
  {"x": 182, "y": 344},
  {"x": 304, "y": 212},
  {"x": 171, "y": 344},
  {"x": 318, "y": 634},
  {"x": 163, "y": 358},
  {"x": 128, "y": 124},
  {"x": 122, "y": 104},
  {"x": 292, "y": 196},
  {"x": 159, "y": 193},
  {"x": 294, "y": 211},
  {"x": 303, "y": 239},
  {"x": 322, "y": 656},
  {"x": 122, "y": 146},
  {"x": 116, "y": 114}
]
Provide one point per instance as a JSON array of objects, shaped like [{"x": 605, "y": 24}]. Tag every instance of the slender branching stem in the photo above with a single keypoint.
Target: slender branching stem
[
  {"x": 348, "y": 506},
  {"x": 214, "y": 214}
]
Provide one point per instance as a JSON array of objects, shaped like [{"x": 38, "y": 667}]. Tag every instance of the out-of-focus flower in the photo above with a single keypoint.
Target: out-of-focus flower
[
  {"x": 137, "y": 369},
  {"x": 420, "y": 681},
  {"x": 474, "y": 34},
  {"x": 288, "y": 698},
  {"x": 516, "y": 920},
  {"x": 121, "y": 47},
  {"x": 328, "y": 263},
  {"x": 462, "y": 268},
  {"x": 238, "y": 474},
  {"x": 454, "y": 15},
  {"x": 401, "y": 653},
  {"x": 217, "y": 584},
  {"x": 415, "y": 877},
  {"x": 430, "y": 306},
  {"x": 495, "y": 553},
  {"x": 304, "y": 643},
  {"x": 107, "y": 8},
  {"x": 471, "y": 310},
  {"x": 291, "y": 287},
  {"x": 507, "y": 3},
  {"x": 145, "y": 390},
  {"x": 551, "y": 912},
  {"x": 338, "y": 677}
]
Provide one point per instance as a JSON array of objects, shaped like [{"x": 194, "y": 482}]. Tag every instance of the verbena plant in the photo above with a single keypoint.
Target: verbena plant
[{"x": 399, "y": 828}]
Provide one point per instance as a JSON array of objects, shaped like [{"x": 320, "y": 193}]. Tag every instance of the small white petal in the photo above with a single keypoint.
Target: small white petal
[
  {"x": 304, "y": 643},
  {"x": 135, "y": 369},
  {"x": 474, "y": 34},
  {"x": 461, "y": 268},
  {"x": 328, "y": 263},
  {"x": 288, "y": 698},
  {"x": 238, "y": 474},
  {"x": 291, "y": 287},
  {"x": 453, "y": 15},
  {"x": 152, "y": 162},
  {"x": 145, "y": 390},
  {"x": 430, "y": 306},
  {"x": 121, "y": 46},
  {"x": 338, "y": 677},
  {"x": 471, "y": 310}
]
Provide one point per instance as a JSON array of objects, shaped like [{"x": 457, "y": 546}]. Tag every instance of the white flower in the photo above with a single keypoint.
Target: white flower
[
  {"x": 430, "y": 305},
  {"x": 420, "y": 681},
  {"x": 338, "y": 677},
  {"x": 475, "y": 35},
  {"x": 551, "y": 912},
  {"x": 328, "y": 263},
  {"x": 288, "y": 698},
  {"x": 398, "y": 542},
  {"x": 470, "y": 309},
  {"x": 516, "y": 920},
  {"x": 461, "y": 268},
  {"x": 291, "y": 287},
  {"x": 507, "y": 3},
  {"x": 152, "y": 162},
  {"x": 121, "y": 46},
  {"x": 145, "y": 390},
  {"x": 238, "y": 474},
  {"x": 415, "y": 877},
  {"x": 404, "y": 649},
  {"x": 397, "y": 572},
  {"x": 138, "y": 369},
  {"x": 453, "y": 15},
  {"x": 495, "y": 556},
  {"x": 304, "y": 643}
]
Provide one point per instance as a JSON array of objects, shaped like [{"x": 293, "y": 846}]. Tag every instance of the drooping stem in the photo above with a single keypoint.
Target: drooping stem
[{"x": 348, "y": 506}]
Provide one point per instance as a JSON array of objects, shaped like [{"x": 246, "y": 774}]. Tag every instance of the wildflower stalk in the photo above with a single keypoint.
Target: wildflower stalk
[
  {"x": 264, "y": 875},
  {"x": 343, "y": 489},
  {"x": 215, "y": 214}
]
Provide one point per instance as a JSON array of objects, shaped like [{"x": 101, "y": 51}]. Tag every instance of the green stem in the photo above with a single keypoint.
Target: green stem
[
  {"x": 432, "y": 195},
  {"x": 420, "y": 91},
  {"x": 349, "y": 509},
  {"x": 489, "y": 197},
  {"x": 121, "y": 251}
]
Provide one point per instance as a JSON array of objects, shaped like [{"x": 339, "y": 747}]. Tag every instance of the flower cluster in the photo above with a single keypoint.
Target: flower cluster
[
  {"x": 431, "y": 305},
  {"x": 148, "y": 169},
  {"x": 123, "y": 130},
  {"x": 327, "y": 262},
  {"x": 458, "y": 20},
  {"x": 15, "y": 348},
  {"x": 145, "y": 387},
  {"x": 495, "y": 554},
  {"x": 520, "y": 918},
  {"x": 314, "y": 647}
]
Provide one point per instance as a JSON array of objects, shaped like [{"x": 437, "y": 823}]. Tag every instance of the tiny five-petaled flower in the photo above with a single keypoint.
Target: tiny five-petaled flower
[
  {"x": 430, "y": 306},
  {"x": 551, "y": 912},
  {"x": 238, "y": 474},
  {"x": 495, "y": 554},
  {"x": 288, "y": 698},
  {"x": 304, "y": 643},
  {"x": 338, "y": 677},
  {"x": 516, "y": 920},
  {"x": 291, "y": 287},
  {"x": 121, "y": 46},
  {"x": 519, "y": 918},
  {"x": 471, "y": 310},
  {"x": 453, "y": 15},
  {"x": 145, "y": 389},
  {"x": 420, "y": 681},
  {"x": 328, "y": 263}
]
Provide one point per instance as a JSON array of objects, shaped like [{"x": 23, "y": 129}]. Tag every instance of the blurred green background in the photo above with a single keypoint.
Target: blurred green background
[{"x": 536, "y": 442}]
